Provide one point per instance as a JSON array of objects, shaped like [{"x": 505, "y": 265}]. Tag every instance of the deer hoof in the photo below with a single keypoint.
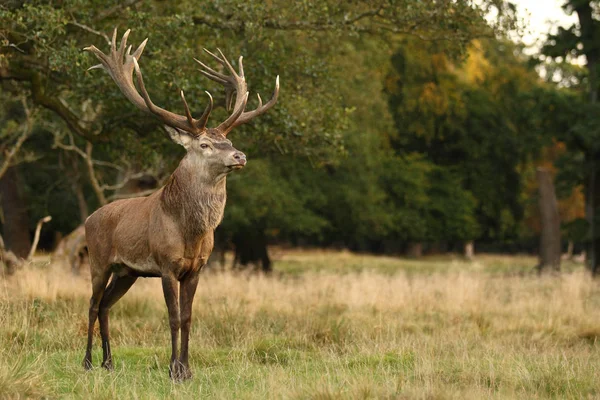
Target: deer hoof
[
  {"x": 179, "y": 372},
  {"x": 108, "y": 365},
  {"x": 186, "y": 373},
  {"x": 87, "y": 364}
]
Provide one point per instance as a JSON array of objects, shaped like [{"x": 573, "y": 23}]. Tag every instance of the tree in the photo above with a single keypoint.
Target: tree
[
  {"x": 486, "y": 118},
  {"x": 583, "y": 39},
  {"x": 550, "y": 246},
  {"x": 40, "y": 57},
  {"x": 18, "y": 127}
]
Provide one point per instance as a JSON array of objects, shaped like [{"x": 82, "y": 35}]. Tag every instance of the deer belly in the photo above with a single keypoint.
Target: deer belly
[{"x": 145, "y": 266}]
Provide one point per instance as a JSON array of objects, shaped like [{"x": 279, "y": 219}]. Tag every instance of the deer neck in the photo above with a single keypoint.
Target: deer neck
[{"x": 195, "y": 198}]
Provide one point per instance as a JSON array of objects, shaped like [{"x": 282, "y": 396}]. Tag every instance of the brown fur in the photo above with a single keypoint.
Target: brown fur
[{"x": 168, "y": 234}]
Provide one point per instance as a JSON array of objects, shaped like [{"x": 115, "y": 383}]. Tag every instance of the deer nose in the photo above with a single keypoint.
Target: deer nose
[{"x": 240, "y": 158}]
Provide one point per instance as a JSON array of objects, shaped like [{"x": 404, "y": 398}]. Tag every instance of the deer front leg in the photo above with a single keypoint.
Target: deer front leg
[
  {"x": 186, "y": 298},
  {"x": 169, "y": 284}
]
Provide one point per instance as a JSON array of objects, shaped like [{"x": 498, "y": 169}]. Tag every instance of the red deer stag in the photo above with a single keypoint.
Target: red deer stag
[{"x": 168, "y": 234}]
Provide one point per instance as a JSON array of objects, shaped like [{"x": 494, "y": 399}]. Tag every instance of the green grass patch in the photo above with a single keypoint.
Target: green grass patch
[{"x": 330, "y": 326}]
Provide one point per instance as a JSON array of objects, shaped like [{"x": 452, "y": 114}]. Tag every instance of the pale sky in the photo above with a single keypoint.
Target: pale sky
[{"x": 542, "y": 16}]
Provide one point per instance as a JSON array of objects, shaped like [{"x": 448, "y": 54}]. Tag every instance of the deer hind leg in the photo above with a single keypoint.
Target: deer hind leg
[
  {"x": 119, "y": 285},
  {"x": 186, "y": 298},
  {"x": 99, "y": 281},
  {"x": 170, "y": 290}
]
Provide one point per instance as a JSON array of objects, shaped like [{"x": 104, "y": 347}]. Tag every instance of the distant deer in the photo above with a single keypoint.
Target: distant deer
[{"x": 168, "y": 234}]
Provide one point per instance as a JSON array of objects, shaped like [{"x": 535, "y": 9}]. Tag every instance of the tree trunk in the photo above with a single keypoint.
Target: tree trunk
[
  {"x": 81, "y": 203},
  {"x": 16, "y": 220},
  {"x": 570, "y": 246},
  {"x": 8, "y": 261},
  {"x": 592, "y": 218},
  {"x": 251, "y": 248},
  {"x": 550, "y": 249},
  {"x": 414, "y": 250},
  {"x": 469, "y": 250},
  {"x": 589, "y": 34},
  {"x": 73, "y": 249},
  {"x": 77, "y": 187},
  {"x": 221, "y": 246}
]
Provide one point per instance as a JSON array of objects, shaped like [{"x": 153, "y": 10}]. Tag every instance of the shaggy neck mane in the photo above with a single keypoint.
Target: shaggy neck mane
[{"x": 196, "y": 200}]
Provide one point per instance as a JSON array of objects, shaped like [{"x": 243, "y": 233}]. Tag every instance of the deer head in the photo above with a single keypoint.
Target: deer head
[{"x": 208, "y": 148}]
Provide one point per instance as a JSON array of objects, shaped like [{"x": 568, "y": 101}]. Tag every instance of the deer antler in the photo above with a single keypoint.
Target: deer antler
[
  {"x": 236, "y": 82},
  {"x": 122, "y": 73}
]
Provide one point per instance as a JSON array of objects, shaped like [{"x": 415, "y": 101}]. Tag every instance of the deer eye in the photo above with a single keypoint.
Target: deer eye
[{"x": 204, "y": 146}]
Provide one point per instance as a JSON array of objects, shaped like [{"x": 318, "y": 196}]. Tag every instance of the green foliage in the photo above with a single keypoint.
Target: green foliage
[
  {"x": 428, "y": 202},
  {"x": 577, "y": 40},
  {"x": 384, "y": 131},
  {"x": 267, "y": 195},
  {"x": 480, "y": 122}
]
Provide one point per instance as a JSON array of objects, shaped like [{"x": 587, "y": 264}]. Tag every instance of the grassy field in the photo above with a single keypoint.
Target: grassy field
[{"x": 327, "y": 325}]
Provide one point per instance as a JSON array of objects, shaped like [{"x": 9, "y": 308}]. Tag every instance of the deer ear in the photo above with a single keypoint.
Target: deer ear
[{"x": 178, "y": 136}]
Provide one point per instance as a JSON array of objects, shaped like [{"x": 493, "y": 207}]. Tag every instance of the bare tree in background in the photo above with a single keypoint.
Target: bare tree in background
[
  {"x": 10, "y": 260},
  {"x": 12, "y": 137},
  {"x": 550, "y": 249},
  {"x": 69, "y": 164},
  {"x": 126, "y": 173},
  {"x": 469, "y": 250}
]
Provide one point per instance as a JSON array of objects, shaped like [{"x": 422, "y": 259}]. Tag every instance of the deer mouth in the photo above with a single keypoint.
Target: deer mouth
[
  {"x": 236, "y": 166},
  {"x": 239, "y": 162}
]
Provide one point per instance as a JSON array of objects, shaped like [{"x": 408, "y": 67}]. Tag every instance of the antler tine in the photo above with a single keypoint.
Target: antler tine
[
  {"x": 138, "y": 52},
  {"x": 241, "y": 65},
  {"x": 201, "y": 123},
  {"x": 140, "y": 81},
  {"x": 113, "y": 42},
  {"x": 228, "y": 124},
  {"x": 261, "y": 109},
  {"x": 188, "y": 114},
  {"x": 100, "y": 55},
  {"x": 259, "y": 100},
  {"x": 227, "y": 64},
  {"x": 122, "y": 47},
  {"x": 212, "y": 77},
  {"x": 216, "y": 57},
  {"x": 211, "y": 73}
]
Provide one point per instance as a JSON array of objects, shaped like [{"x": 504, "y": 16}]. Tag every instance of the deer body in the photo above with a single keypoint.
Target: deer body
[
  {"x": 146, "y": 238},
  {"x": 169, "y": 234}
]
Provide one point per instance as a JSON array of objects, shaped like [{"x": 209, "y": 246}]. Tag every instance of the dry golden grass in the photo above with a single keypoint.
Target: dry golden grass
[{"x": 329, "y": 325}]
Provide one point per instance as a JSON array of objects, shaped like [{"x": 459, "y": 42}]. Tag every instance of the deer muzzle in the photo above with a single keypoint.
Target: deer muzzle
[{"x": 240, "y": 159}]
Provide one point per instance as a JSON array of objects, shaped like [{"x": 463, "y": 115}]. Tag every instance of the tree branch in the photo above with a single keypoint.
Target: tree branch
[
  {"x": 27, "y": 130},
  {"x": 408, "y": 27},
  {"x": 90, "y": 30},
  {"x": 89, "y": 162},
  {"x": 101, "y": 188},
  {"x": 370, "y": 13},
  {"x": 39, "y": 97},
  {"x": 108, "y": 12},
  {"x": 36, "y": 237}
]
